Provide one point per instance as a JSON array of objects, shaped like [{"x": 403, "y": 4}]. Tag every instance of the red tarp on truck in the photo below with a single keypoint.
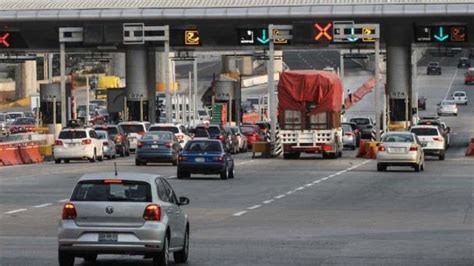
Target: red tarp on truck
[{"x": 297, "y": 87}]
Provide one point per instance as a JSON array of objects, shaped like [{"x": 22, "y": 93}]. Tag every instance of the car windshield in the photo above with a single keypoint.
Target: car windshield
[
  {"x": 2, "y": 117},
  {"x": 424, "y": 131},
  {"x": 112, "y": 190},
  {"x": 73, "y": 134},
  {"x": 433, "y": 64},
  {"x": 171, "y": 129},
  {"x": 158, "y": 136},
  {"x": 24, "y": 121},
  {"x": 361, "y": 121},
  {"x": 203, "y": 146},
  {"x": 346, "y": 127},
  {"x": 397, "y": 138},
  {"x": 133, "y": 128}
]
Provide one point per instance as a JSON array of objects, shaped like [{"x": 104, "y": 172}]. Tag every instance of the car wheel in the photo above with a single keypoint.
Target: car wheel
[
  {"x": 182, "y": 255},
  {"x": 65, "y": 259},
  {"x": 92, "y": 160},
  {"x": 224, "y": 174},
  {"x": 231, "y": 172},
  {"x": 138, "y": 163},
  {"x": 423, "y": 167},
  {"x": 101, "y": 158},
  {"x": 162, "y": 258},
  {"x": 441, "y": 156},
  {"x": 66, "y": 161},
  {"x": 57, "y": 161},
  {"x": 90, "y": 258},
  {"x": 381, "y": 167},
  {"x": 353, "y": 147},
  {"x": 417, "y": 167}
]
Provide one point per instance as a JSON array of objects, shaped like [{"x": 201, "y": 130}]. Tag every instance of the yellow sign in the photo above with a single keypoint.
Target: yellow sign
[
  {"x": 191, "y": 37},
  {"x": 368, "y": 31},
  {"x": 278, "y": 41}
]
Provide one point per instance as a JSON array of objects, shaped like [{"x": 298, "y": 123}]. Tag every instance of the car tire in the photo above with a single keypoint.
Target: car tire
[
  {"x": 90, "y": 257},
  {"x": 162, "y": 258},
  {"x": 182, "y": 174},
  {"x": 57, "y": 161},
  {"x": 66, "y": 161},
  {"x": 65, "y": 259},
  {"x": 138, "y": 163},
  {"x": 381, "y": 167},
  {"x": 92, "y": 160},
  {"x": 224, "y": 175},
  {"x": 182, "y": 255},
  {"x": 422, "y": 167},
  {"x": 231, "y": 173},
  {"x": 417, "y": 167},
  {"x": 441, "y": 156},
  {"x": 101, "y": 158},
  {"x": 175, "y": 162},
  {"x": 353, "y": 147}
]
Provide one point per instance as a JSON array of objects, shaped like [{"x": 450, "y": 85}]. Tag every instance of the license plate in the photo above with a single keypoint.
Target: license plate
[
  {"x": 71, "y": 145},
  {"x": 398, "y": 150},
  {"x": 154, "y": 146},
  {"x": 199, "y": 160},
  {"x": 108, "y": 237}
]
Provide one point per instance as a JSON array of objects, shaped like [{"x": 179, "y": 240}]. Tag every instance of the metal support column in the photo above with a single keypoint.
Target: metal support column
[
  {"x": 377, "y": 90},
  {"x": 62, "y": 63}
]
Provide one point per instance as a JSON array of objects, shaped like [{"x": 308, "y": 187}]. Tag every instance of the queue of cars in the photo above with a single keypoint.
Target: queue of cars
[{"x": 16, "y": 122}]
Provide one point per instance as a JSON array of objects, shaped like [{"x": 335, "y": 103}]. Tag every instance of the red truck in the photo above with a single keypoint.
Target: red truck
[
  {"x": 469, "y": 76},
  {"x": 309, "y": 113}
]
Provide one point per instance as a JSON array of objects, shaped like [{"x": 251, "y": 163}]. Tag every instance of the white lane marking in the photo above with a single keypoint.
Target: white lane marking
[
  {"x": 171, "y": 177},
  {"x": 268, "y": 201},
  {"x": 290, "y": 192},
  {"x": 324, "y": 178},
  {"x": 63, "y": 200},
  {"x": 15, "y": 211},
  {"x": 254, "y": 207},
  {"x": 242, "y": 163},
  {"x": 43, "y": 205},
  {"x": 240, "y": 213},
  {"x": 300, "y": 188},
  {"x": 280, "y": 196},
  {"x": 451, "y": 84},
  {"x": 316, "y": 181},
  {"x": 308, "y": 185},
  {"x": 331, "y": 176}
]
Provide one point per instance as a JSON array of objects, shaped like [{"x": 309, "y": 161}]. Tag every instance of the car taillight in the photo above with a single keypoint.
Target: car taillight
[
  {"x": 141, "y": 133},
  {"x": 58, "y": 143},
  {"x": 348, "y": 134},
  {"x": 413, "y": 148},
  {"x": 152, "y": 213},
  {"x": 182, "y": 158},
  {"x": 381, "y": 147},
  {"x": 69, "y": 211},
  {"x": 106, "y": 143},
  {"x": 140, "y": 144},
  {"x": 86, "y": 141},
  {"x": 437, "y": 139},
  {"x": 221, "y": 137},
  {"x": 180, "y": 136},
  {"x": 169, "y": 145},
  {"x": 219, "y": 158}
]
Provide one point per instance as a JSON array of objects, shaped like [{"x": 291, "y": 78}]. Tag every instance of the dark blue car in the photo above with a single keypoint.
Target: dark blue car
[
  {"x": 157, "y": 147},
  {"x": 205, "y": 156}
]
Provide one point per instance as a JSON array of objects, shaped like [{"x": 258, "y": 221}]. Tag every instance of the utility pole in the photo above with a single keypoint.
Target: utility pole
[{"x": 377, "y": 90}]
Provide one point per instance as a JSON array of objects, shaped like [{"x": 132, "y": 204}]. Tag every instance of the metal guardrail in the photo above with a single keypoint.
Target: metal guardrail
[{"x": 168, "y": 4}]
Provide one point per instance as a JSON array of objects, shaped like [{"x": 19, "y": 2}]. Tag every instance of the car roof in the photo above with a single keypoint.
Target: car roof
[
  {"x": 424, "y": 126},
  {"x": 398, "y": 133},
  {"x": 459, "y": 92},
  {"x": 150, "y": 178},
  {"x": 166, "y": 125},
  {"x": 204, "y": 139},
  {"x": 133, "y": 123}
]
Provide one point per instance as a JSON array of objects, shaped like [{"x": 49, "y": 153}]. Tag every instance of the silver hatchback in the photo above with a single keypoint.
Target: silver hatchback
[{"x": 129, "y": 213}]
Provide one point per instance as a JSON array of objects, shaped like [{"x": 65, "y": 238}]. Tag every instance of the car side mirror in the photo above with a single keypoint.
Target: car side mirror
[{"x": 183, "y": 201}]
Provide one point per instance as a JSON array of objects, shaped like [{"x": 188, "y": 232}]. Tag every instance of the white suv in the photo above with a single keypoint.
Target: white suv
[
  {"x": 135, "y": 131},
  {"x": 177, "y": 129},
  {"x": 78, "y": 144},
  {"x": 432, "y": 140}
]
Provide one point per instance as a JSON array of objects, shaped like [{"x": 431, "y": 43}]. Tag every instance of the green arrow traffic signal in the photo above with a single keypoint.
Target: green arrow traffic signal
[
  {"x": 264, "y": 39},
  {"x": 441, "y": 37}
]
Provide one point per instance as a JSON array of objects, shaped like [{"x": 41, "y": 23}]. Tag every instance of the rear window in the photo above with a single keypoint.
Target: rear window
[
  {"x": 99, "y": 190},
  {"x": 202, "y": 113},
  {"x": 133, "y": 128},
  {"x": 425, "y": 131},
  {"x": 459, "y": 94},
  {"x": 433, "y": 64},
  {"x": 173, "y": 130},
  {"x": 212, "y": 130},
  {"x": 201, "y": 133},
  {"x": 101, "y": 134},
  {"x": 346, "y": 127},
  {"x": 24, "y": 121},
  {"x": 397, "y": 138},
  {"x": 360, "y": 121},
  {"x": 14, "y": 115},
  {"x": 2, "y": 117},
  {"x": 203, "y": 146},
  {"x": 248, "y": 129},
  {"x": 72, "y": 134},
  {"x": 158, "y": 136}
]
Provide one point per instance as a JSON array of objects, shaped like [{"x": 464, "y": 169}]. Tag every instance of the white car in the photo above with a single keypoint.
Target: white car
[
  {"x": 108, "y": 144},
  {"x": 12, "y": 116},
  {"x": 135, "y": 131},
  {"x": 400, "y": 149},
  {"x": 432, "y": 140},
  {"x": 460, "y": 97},
  {"x": 178, "y": 130},
  {"x": 447, "y": 107},
  {"x": 78, "y": 144}
]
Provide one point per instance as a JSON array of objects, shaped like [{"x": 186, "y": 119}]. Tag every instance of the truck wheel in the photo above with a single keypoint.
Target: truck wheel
[
  {"x": 65, "y": 259},
  {"x": 287, "y": 156},
  {"x": 441, "y": 156}
]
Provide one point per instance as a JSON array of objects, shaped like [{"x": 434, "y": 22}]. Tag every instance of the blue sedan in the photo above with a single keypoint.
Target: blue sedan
[
  {"x": 158, "y": 147},
  {"x": 205, "y": 156}
]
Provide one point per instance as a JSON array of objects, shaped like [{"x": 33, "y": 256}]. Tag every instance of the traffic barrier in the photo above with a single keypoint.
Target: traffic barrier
[
  {"x": 30, "y": 153},
  {"x": 470, "y": 148},
  {"x": 362, "y": 149},
  {"x": 46, "y": 151},
  {"x": 10, "y": 155}
]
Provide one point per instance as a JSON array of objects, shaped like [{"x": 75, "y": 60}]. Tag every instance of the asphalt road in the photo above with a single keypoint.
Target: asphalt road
[{"x": 283, "y": 212}]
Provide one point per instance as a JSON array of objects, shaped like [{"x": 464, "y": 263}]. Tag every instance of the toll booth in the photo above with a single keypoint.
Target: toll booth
[
  {"x": 229, "y": 92},
  {"x": 116, "y": 103},
  {"x": 49, "y": 94}
]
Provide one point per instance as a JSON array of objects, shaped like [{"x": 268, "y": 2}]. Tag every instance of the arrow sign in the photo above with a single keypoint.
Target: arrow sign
[
  {"x": 441, "y": 37},
  {"x": 264, "y": 39},
  {"x": 353, "y": 38},
  {"x": 4, "y": 40}
]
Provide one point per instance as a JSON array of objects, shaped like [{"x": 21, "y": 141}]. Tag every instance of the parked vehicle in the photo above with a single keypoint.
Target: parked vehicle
[
  {"x": 22, "y": 125},
  {"x": 122, "y": 144},
  {"x": 126, "y": 213},
  {"x": 12, "y": 116},
  {"x": 157, "y": 147},
  {"x": 309, "y": 107},
  {"x": 460, "y": 97},
  {"x": 447, "y": 107},
  {"x": 178, "y": 130},
  {"x": 464, "y": 62},
  {"x": 108, "y": 144},
  {"x": 3, "y": 124},
  {"x": 349, "y": 137},
  {"x": 400, "y": 149},
  {"x": 433, "y": 68},
  {"x": 252, "y": 133},
  {"x": 432, "y": 140},
  {"x": 366, "y": 126},
  {"x": 135, "y": 131},
  {"x": 207, "y": 157},
  {"x": 78, "y": 144},
  {"x": 355, "y": 130},
  {"x": 233, "y": 140}
]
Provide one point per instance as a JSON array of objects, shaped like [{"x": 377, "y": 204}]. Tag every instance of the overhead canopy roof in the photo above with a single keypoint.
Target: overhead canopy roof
[{"x": 21, "y": 10}]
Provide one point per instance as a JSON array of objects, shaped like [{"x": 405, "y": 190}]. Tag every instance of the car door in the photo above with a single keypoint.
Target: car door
[
  {"x": 173, "y": 210},
  {"x": 168, "y": 208},
  {"x": 97, "y": 143}
]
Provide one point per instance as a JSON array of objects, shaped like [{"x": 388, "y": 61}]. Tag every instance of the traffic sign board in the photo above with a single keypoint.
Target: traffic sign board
[
  {"x": 348, "y": 31},
  {"x": 441, "y": 33},
  {"x": 261, "y": 36}
]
